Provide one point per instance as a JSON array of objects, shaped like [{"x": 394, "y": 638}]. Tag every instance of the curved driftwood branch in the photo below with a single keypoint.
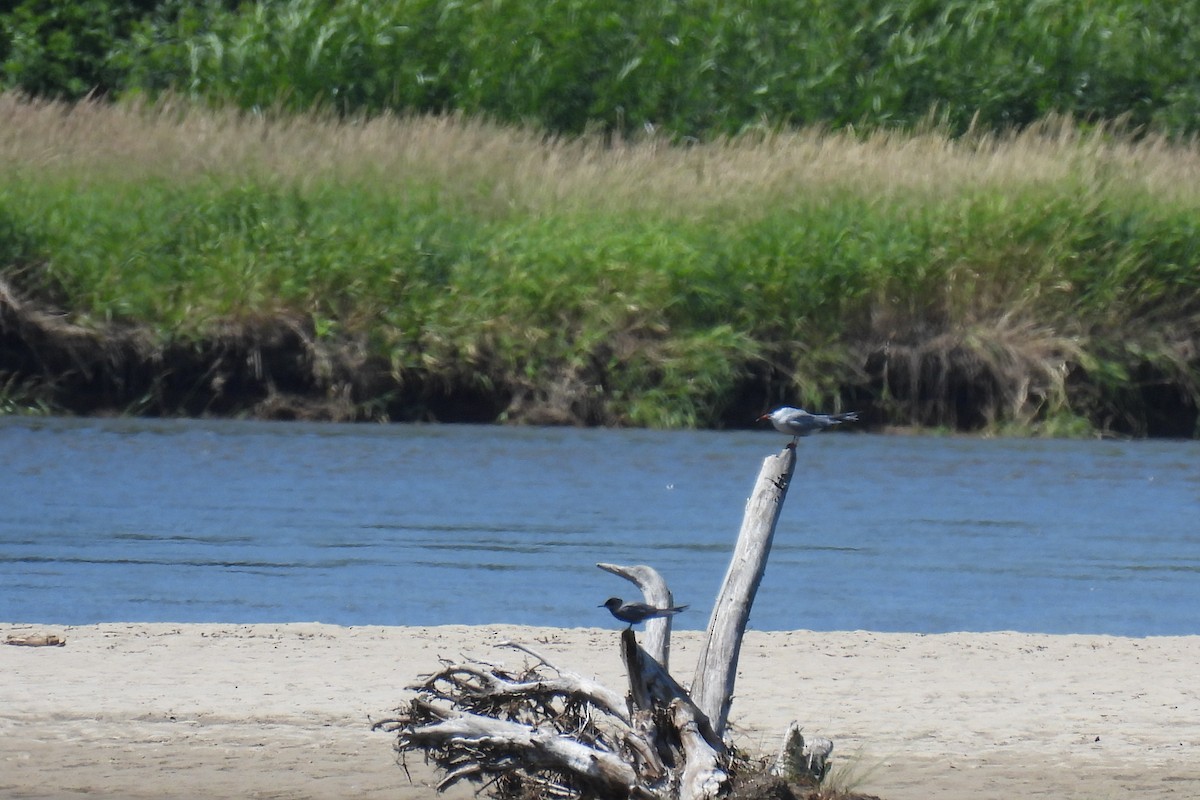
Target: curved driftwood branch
[
  {"x": 655, "y": 592},
  {"x": 482, "y": 686},
  {"x": 716, "y": 669},
  {"x": 480, "y": 683},
  {"x": 482, "y": 745}
]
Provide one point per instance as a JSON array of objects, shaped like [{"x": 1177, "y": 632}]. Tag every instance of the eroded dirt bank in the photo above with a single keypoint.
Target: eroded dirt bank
[{"x": 277, "y": 368}]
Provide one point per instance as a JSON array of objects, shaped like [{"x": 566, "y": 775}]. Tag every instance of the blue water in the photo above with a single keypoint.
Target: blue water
[{"x": 187, "y": 521}]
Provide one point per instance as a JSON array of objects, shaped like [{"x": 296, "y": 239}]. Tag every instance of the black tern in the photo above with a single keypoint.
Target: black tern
[
  {"x": 633, "y": 613},
  {"x": 799, "y": 422}
]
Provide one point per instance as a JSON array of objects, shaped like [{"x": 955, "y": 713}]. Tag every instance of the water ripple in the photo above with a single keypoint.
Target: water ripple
[{"x": 175, "y": 520}]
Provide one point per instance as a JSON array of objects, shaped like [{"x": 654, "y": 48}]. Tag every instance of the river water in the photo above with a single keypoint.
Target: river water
[{"x": 227, "y": 521}]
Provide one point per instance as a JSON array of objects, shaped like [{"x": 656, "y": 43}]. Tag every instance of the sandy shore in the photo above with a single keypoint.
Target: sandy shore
[{"x": 223, "y": 711}]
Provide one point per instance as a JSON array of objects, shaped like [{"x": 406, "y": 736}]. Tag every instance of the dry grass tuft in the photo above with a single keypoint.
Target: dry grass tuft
[
  {"x": 1003, "y": 370},
  {"x": 519, "y": 169}
]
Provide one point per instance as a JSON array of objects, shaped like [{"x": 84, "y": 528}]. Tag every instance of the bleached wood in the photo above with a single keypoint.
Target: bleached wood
[
  {"x": 569, "y": 736},
  {"x": 499, "y": 740},
  {"x": 702, "y": 778},
  {"x": 480, "y": 681},
  {"x": 802, "y": 759},
  {"x": 716, "y": 668},
  {"x": 652, "y": 687},
  {"x": 657, "y": 641}
]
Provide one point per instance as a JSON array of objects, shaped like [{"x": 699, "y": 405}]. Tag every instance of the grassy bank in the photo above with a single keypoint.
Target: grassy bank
[{"x": 1050, "y": 278}]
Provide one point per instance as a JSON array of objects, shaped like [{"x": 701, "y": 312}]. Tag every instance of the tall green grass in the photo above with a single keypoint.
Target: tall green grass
[
  {"x": 701, "y": 68},
  {"x": 695, "y": 68},
  {"x": 648, "y": 283}
]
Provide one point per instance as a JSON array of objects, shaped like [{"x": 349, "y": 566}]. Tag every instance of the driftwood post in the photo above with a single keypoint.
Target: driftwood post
[
  {"x": 564, "y": 736},
  {"x": 716, "y": 669}
]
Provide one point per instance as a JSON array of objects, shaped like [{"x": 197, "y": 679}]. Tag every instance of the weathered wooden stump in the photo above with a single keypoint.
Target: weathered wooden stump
[{"x": 534, "y": 734}]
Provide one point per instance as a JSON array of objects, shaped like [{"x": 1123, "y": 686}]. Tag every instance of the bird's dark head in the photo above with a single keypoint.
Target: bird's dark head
[{"x": 612, "y": 603}]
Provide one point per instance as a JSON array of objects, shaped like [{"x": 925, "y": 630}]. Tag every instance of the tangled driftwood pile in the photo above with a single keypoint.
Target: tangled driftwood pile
[{"x": 543, "y": 731}]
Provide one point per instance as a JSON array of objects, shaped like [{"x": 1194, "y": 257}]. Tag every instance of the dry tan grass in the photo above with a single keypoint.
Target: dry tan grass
[
  {"x": 498, "y": 167},
  {"x": 1007, "y": 369}
]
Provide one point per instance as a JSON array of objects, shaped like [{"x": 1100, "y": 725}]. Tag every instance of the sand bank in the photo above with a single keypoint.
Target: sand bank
[{"x": 223, "y": 711}]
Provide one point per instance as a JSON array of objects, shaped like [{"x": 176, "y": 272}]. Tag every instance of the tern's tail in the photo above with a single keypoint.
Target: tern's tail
[{"x": 849, "y": 416}]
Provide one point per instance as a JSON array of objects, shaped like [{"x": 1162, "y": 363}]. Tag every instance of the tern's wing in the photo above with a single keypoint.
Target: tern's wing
[
  {"x": 794, "y": 417},
  {"x": 641, "y": 608}
]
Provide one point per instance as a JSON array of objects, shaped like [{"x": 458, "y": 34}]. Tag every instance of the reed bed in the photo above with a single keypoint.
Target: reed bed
[{"x": 1048, "y": 278}]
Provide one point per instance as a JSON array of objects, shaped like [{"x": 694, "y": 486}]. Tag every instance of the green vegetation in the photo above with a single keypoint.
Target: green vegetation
[
  {"x": 662, "y": 213},
  {"x": 1047, "y": 279},
  {"x": 699, "y": 68}
]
